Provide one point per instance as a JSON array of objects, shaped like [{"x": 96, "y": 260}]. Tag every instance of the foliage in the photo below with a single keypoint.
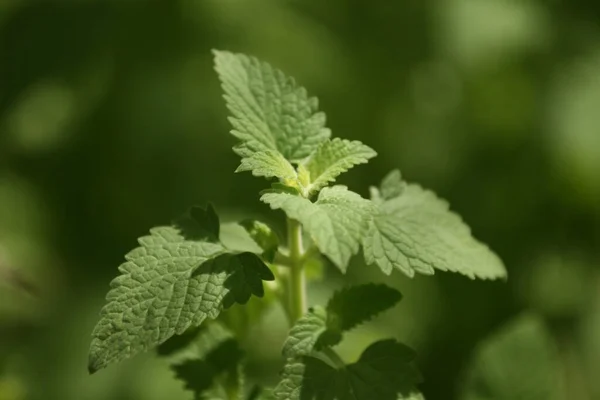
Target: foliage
[{"x": 183, "y": 276}]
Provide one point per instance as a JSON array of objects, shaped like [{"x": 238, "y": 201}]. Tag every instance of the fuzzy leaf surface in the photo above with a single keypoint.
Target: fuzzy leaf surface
[
  {"x": 268, "y": 163},
  {"x": 347, "y": 308},
  {"x": 416, "y": 232},
  {"x": 335, "y": 222},
  {"x": 384, "y": 371},
  {"x": 172, "y": 282},
  {"x": 269, "y": 111},
  {"x": 334, "y": 157}
]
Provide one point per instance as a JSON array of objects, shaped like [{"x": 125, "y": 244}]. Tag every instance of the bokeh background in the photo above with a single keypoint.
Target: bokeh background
[{"x": 112, "y": 121}]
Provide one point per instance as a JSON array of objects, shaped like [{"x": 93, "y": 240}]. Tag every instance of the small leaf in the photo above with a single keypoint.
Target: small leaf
[
  {"x": 520, "y": 361},
  {"x": 385, "y": 371},
  {"x": 269, "y": 111},
  {"x": 416, "y": 232},
  {"x": 392, "y": 185},
  {"x": 169, "y": 284},
  {"x": 268, "y": 163},
  {"x": 262, "y": 234},
  {"x": 346, "y": 309},
  {"x": 332, "y": 158},
  {"x": 305, "y": 333},
  {"x": 335, "y": 222}
]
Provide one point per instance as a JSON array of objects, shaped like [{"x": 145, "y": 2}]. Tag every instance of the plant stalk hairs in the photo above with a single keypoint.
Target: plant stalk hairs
[{"x": 175, "y": 291}]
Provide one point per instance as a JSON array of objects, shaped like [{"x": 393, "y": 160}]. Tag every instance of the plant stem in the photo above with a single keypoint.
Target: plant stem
[{"x": 297, "y": 280}]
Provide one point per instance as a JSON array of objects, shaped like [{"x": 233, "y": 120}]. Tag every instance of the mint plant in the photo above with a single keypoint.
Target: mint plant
[{"x": 176, "y": 291}]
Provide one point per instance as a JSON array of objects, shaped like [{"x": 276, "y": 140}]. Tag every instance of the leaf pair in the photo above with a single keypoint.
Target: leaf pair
[
  {"x": 278, "y": 124},
  {"x": 179, "y": 276},
  {"x": 385, "y": 370}
]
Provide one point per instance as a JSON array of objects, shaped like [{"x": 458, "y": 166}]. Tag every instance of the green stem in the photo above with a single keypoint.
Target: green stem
[{"x": 297, "y": 279}]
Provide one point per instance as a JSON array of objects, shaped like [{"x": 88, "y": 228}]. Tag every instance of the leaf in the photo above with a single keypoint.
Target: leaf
[
  {"x": 346, "y": 309},
  {"x": 357, "y": 304},
  {"x": 416, "y": 232},
  {"x": 167, "y": 285},
  {"x": 212, "y": 359},
  {"x": 392, "y": 185},
  {"x": 268, "y": 163},
  {"x": 269, "y": 111},
  {"x": 305, "y": 333},
  {"x": 308, "y": 378},
  {"x": 264, "y": 236},
  {"x": 332, "y": 158},
  {"x": 520, "y": 361},
  {"x": 335, "y": 222},
  {"x": 385, "y": 371}
]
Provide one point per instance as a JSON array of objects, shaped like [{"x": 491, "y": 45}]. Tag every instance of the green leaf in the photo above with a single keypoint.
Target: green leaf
[
  {"x": 332, "y": 158},
  {"x": 520, "y": 361},
  {"x": 305, "y": 333},
  {"x": 167, "y": 285},
  {"x": 335, "y": 222},
  {"x": 392, "y": 185},
  {"x": 416, "y": 232},
  {"x": 385, "y": 371},
  {"x": 268, "y": 163},
  {"x": 262, "y": 234},
  {"x": 357, "y": 304},
  {"x": 347, "y": 308},
  {"x": 210, "y": 362},
  {"x": 269, "y": 111}
]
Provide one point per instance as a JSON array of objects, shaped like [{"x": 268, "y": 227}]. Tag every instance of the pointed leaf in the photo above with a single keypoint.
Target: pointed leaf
[
  {"x": 416, "y": 232},
  {"x": 268, "y": 163},
  {"x": 262, "y": 234},
  {"x": 334, "y": 157},
  {"x": 335, "y": 222},
  {"x": 167, "y": 285},
  {"x": 269, "y": 111}
]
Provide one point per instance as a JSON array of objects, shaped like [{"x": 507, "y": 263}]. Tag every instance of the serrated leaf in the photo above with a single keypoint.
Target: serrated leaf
[
  {"x": 269, "y": 111},
  {"x": 308, "y": 378},
  {"x": 332, "y": 158},
  {"x": 210, "y": 360},
  {"x": 305, "y": 333},
  {"x": 335, "y": 222},
  {"x": 520, "y": 361},
  {"x": 167, "y": 285},
  {"x": 385, "y": 371},
  {"x": 416, "y": 232},
  {"x": 264, "y": 237},
  {"x": 268, "y": 163},
  {"x": 346, "y": 309}
]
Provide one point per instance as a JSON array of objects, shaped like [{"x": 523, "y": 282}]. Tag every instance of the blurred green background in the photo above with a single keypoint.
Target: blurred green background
[{"x": 112, "y": 121}]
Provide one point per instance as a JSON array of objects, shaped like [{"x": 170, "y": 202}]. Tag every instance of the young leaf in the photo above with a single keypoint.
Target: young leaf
[
  {"x": 167, "y": 285},
  {"x": 332, "y": 158},
  {"x": 335, "y": 222},
  {"x": 268, "y": 163},
  {"x": 520, "y": 361},
  {"x": 269, "y": 111},
  {"x": 385, "y": 371},
  {"x": 262, "y": 234},
  {"x": 346, "y": 309},
  {"x": 416, "y": 232}
]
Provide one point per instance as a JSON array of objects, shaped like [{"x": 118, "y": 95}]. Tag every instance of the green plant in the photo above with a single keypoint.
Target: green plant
[{"x": 175, "y": 290}]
